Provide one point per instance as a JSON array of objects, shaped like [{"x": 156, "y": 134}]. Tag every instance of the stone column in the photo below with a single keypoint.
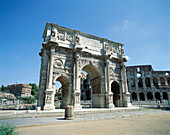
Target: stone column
[
  {"x": 166, "y": 81},
  {"x": 129, "y": 82},
  {"x": 136, "y": 81},
  {"x": 159, "y": 82},
  {"x": 43, "y": 78},
  {"x": 153, "y": 93},
  {"x": 138, "y": 97},
  {"x": 151, "y": 82},
  {"x": 143, "y": 80},
  {"x": 161, "y": 95},
  {"x": 145, "y": 96},
  {"x": 126, "y": 94},
  {"x": 50, "y": 91},
  {"x": 109, "y": 95},
  {"x": 76, "y": 83},
  {"x": 152, "y": 87}
]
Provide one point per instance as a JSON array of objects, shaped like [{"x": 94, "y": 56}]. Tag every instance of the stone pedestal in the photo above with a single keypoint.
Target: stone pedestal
[
  {"x": 126, "y": 100},
  {"x": 38, "y": 108},
  {"x": 98, "y": 101},
  {"x": 109, "y": 100},
  {"x": 77, "y": 105},
  {"x": 49, "y": 100}
]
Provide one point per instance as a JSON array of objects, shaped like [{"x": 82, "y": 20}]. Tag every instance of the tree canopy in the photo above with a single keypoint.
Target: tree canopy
[{"x": 34, "y": 90}]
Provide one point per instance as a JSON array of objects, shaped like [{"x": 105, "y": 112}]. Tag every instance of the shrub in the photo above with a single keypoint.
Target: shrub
[
  {"x": 28, "y": 100},
  {"x": 8, "y": 129}
]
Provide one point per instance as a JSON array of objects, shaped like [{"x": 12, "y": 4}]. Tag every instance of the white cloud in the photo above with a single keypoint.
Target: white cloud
[{"x": 125, "y": 24}]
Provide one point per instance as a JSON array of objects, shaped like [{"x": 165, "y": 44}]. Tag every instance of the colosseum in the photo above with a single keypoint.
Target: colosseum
[{"x": 145, "y": 84}]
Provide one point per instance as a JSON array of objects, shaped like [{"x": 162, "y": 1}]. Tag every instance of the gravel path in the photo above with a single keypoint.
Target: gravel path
[{"x": 119, "y": 114}]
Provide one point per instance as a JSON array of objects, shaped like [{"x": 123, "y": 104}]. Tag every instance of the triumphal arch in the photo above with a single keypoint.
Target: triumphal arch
[{"x": 66, "y": 53}]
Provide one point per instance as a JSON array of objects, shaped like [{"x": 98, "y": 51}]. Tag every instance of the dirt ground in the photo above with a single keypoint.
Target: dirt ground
[{"x": 158, "y": 124}]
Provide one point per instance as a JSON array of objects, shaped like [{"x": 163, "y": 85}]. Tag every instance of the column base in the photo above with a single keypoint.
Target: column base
[
  {"x": 111, "y": 106},
  {"x": 49, "y": 107},
  {"x": 77, "y": 107},
  {"x": 126, "y": 100}
]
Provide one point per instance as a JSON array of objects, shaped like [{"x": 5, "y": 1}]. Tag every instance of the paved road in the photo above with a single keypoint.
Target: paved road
[{"x": 81, "y": 116}]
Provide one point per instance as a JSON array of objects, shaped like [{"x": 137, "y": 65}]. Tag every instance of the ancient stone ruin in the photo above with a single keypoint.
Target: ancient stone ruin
[
  {"x": 66, "y": 53},
  {"x": 145, "y": 84}
]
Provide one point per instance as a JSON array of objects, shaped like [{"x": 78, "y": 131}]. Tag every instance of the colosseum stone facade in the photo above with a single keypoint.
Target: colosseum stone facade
[{"x": 145, "y": 84}]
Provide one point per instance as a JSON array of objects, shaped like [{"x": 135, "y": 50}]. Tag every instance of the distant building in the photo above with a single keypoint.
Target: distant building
[
  {"x": 145, "y": 84},
  {"x": 22, "y": 90}
]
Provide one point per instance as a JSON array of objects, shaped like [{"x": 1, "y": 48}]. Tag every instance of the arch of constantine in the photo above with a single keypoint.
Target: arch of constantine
[{"x": 66, "y": 53}]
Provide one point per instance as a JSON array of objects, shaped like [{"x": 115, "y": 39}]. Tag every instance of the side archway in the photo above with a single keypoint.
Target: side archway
[
  {"x": 65, "y": 91},
  {"x": 115, "y": 88}
]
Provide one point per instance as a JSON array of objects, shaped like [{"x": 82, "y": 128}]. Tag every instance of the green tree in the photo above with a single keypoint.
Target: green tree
[
  {"x": 34, "y": 90},
  {"x": 3, "y": 88}
]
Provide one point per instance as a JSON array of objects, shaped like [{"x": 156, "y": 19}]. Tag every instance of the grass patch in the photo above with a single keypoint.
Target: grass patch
[{"x": 8, "y": 129}]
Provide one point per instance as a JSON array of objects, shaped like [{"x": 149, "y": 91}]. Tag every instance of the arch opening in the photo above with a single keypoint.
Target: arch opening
[
  {"x": 134, "y": 96},
  {"x": 116, "y": 93},
  {"x": 155, "y": 82},
  {"x": 149, "y": 96},
  {"x": 62, "y": 92},
  {"x": 91, "y": 85},
  {"x": 162, "y": 80},
  {"x": 140, "y": 83},
  {"x": 157, "y": 96},
  {"x": 165, "y": 95},
  {"x": 142, "y": 96},
  {"x": 147, "y": 82},
  {"x": 168, "y": 80},
  {"x": 95, "y": 78},
  {"x": 132, "y": 82},
  {"x": 85, "y": 87}
]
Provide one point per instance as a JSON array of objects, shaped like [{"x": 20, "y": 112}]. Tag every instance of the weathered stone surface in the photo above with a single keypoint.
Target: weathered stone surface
[
  {"x": 65, "y": 53},
  {"x": 145, "y": 84}
]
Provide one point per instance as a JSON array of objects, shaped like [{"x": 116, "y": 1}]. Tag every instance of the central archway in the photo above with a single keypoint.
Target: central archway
[
  {"x": 95, "y": 82},
  {"x": 64, "y": 90},
  {"x": 116, "y": 93}
]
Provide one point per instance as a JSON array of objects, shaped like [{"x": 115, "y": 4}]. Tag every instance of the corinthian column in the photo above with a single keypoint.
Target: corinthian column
[
  {"x": 76, "y": 83},
  {"x": 109, "y": 95},
  {"x": 126, "y": 94},
  {"x": 50, "y": 92}
]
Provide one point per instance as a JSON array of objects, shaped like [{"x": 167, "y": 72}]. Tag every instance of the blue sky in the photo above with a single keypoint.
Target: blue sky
[{"x": 143, "y": 26}]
